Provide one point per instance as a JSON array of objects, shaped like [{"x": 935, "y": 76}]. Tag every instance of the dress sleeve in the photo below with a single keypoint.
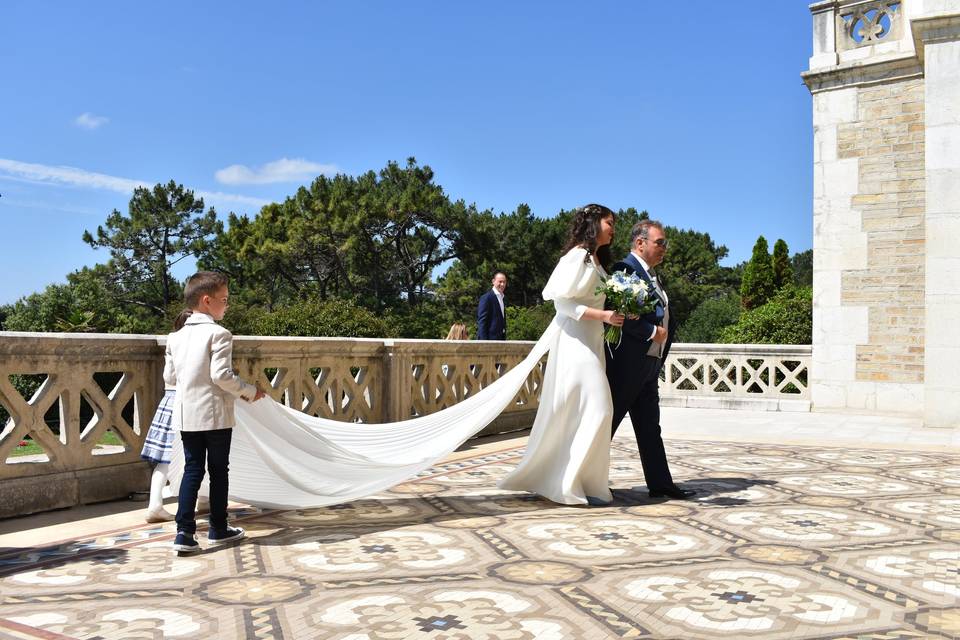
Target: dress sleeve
[{"x": 571, "y": 279}]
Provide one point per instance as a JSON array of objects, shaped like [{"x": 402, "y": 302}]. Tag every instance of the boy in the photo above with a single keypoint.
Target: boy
[{"x": 199, "y": 365}]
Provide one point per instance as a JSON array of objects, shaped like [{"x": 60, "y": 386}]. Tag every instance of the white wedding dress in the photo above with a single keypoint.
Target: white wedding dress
[
  {"x": 568, "y": 453},
  {"x": 283, "y": 458}
]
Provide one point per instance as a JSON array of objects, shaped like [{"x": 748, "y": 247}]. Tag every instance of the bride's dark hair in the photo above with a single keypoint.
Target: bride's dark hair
[{"x": 584, "y": 229}]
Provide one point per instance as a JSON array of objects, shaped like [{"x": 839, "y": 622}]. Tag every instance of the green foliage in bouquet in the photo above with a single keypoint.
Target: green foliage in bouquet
[{"x": 628, "y": 294}]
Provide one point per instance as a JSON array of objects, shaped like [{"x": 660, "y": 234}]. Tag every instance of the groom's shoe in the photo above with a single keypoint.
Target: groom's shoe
[
  {"x": 674, "y": 492},
  {"x": 598, "y": 502}
]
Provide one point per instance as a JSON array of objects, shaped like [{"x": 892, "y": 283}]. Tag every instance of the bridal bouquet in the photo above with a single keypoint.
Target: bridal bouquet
[{"x": 629, "y": 295}]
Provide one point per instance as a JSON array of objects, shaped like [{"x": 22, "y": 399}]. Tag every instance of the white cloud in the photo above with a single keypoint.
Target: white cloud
[
  {"x": 230, "y": 198},
  {"x": 282, "y": 170},
  {"x": 73, "y": 177},
  {"x": 89, "y": 121},
  {"x": 47, "y": 206},
  {"x": 67, "y": 176}
]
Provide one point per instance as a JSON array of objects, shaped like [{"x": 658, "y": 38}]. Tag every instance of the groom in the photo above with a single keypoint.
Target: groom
[{"x": 633, "y": 370}]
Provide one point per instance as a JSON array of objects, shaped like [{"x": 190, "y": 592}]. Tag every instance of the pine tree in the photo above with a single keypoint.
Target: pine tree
[
  {"x": 782, "y": 269},
  {"x": 163, "y": 226},
  {"x": 758, "y": 285}
]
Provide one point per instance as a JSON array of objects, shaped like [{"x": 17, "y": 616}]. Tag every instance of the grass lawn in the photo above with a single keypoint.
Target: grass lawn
[{"x": 28, "y": 447}]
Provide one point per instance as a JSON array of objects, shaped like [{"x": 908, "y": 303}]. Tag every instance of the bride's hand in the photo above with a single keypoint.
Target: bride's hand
[{"x": 613, "y": 318}]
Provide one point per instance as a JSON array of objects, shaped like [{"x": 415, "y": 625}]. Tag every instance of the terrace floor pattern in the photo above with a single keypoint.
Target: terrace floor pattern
[{"x": 784, "y": 541}]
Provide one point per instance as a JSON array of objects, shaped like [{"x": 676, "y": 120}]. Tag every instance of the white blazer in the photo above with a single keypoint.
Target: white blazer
[{"x": 199, "y": 364}]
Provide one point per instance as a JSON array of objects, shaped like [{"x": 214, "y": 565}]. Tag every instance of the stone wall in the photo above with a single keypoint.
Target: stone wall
[
  {"x": 888, "y": 140},
  {"x": 886, "y": 207},
  {"x": 869, "y": 247}
]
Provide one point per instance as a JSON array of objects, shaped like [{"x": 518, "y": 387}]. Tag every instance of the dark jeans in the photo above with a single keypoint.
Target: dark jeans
[{"x": 212, "y": 448}]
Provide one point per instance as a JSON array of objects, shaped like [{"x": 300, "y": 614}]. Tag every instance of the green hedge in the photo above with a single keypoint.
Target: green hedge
[
  {"x": 786, "y": 319},
  {"x": 339, "y": 318},
  {"x": 710, "y": 318},
  {"x": 528, "y": 323}
]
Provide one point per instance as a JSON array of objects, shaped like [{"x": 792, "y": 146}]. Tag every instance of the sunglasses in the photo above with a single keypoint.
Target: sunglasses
[{"x": 660, "y": 242}]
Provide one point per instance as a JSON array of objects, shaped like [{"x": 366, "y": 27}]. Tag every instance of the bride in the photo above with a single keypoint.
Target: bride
[
  {"x": 283, "y": 458},
  {"x": 568, "y": 454}
]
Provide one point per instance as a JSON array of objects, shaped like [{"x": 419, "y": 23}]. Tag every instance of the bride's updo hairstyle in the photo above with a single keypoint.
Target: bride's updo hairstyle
[{"x": 585, "y": 228}]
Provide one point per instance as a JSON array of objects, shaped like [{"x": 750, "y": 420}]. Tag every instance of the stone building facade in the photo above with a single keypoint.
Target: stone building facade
[{"x": 885, "y": 80}]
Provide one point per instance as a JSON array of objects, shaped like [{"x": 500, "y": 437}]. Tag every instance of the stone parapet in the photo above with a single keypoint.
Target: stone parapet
[
  {"x": 85, "y": 385},
  {"x": 745, "y": 376}
]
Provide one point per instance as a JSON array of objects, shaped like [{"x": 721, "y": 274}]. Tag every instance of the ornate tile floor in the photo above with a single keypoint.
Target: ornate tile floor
[{"x": 784, "y": 542}]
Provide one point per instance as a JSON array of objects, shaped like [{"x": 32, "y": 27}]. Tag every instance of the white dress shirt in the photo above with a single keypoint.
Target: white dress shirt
[{"x": 500, "y": 300}]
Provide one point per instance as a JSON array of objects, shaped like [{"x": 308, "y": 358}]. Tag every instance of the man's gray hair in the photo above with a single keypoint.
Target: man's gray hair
[{"x": 642, "y": 230}]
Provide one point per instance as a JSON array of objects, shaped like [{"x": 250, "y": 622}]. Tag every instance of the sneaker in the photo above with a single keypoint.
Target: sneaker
[
  {"x": 185, "y": 543},
  {"x": 223, "y": 536}
]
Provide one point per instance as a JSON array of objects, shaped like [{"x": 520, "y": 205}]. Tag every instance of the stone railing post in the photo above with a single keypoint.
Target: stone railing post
[
  {"x": 824, "y": 34},
  {"x": 396, "y": 383}
]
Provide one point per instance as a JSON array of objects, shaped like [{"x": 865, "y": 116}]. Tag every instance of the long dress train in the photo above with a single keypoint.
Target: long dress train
[
  {"x": 568, "y": 453},
  {"x": 283, "y": 458}
]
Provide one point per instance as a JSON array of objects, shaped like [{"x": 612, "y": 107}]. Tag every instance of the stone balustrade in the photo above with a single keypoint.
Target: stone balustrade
[
  {"x": 67, "y": 392},
  {"x": 737, "y": 376}
]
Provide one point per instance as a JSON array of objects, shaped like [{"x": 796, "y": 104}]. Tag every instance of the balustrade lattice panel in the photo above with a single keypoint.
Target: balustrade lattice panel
[
  {"x": 739, "y": 371},
  {"x": 331, "y": 378},
  {"x": 867, "y": 23},
  {"x": 83, "y": 404},
  {"x": 437, "y": 375}
]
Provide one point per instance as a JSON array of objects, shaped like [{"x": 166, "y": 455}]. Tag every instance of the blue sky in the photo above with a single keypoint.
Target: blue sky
[{"x": 697, "y": 115}]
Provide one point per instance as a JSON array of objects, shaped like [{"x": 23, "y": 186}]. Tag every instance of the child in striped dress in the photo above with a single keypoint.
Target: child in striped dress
[{"x": 158, "y": 448}]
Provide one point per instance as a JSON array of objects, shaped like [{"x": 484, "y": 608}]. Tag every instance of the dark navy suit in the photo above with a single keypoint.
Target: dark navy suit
[
  {"x": 491, "y": 325},
  {"x": 634, "y": 383}
]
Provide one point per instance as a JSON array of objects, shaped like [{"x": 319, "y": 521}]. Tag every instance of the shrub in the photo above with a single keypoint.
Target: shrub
[
  {"x": 241, "y": 319},
  {"x": 786, "y": 319},
  {"x": 707, "y": 321},
  {"x": 427, "y": 320},
  {"x": 529, "y": 323},
  {"x": 331, "y": 318}
]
